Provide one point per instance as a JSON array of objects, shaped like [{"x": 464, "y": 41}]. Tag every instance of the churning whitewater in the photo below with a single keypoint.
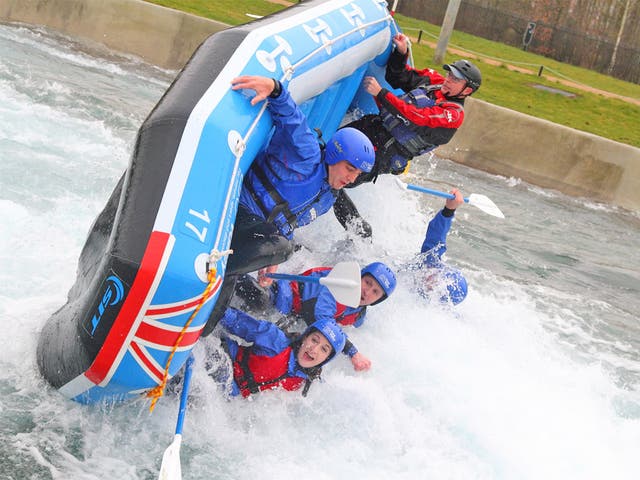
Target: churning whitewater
[{"x": 535, "y": 375}]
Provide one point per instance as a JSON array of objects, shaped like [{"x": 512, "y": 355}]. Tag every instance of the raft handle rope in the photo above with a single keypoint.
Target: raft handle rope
[{"x": 212, "y": 275}]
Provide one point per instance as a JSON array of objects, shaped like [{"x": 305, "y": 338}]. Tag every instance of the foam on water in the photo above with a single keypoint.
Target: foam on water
[{"x": 534, "y": 376}]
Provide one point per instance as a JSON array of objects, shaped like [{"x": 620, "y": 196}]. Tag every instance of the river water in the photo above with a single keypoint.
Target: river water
[{"x": 536, "y": 375}]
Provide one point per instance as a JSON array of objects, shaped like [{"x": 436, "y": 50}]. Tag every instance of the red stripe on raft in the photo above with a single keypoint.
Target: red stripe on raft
[
  {"x": 122, "y": 325},
  {"x": 167, "y": 338},
  {"x": 183, "y": 306}
]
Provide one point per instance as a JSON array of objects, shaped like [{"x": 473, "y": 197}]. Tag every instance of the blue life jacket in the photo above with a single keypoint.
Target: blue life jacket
[{"x": 412, "y": 139}]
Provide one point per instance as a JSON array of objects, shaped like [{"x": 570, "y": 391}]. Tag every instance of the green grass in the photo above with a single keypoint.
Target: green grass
[
  {"x": 232, "y": 12},
  {"x": 590, "y": 112}
]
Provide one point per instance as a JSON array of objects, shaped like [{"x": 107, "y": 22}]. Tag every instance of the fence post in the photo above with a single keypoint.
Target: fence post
[{"x": 445, "y": 30}]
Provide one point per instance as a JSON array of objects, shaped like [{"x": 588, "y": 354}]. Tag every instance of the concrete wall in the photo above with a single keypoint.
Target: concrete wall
[
  {"x": 505, "y": 142},
  {"x": 159, "y": 35},
  {"x": 492, "y": 139}
]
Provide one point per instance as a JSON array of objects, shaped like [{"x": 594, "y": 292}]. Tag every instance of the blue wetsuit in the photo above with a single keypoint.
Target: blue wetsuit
[
  {"x": 313, "y": 301},
  {"x": 287, "y": 184},
  {"x": 435, "y": 240}
]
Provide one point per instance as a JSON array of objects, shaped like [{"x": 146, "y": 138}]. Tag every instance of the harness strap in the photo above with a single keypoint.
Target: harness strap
[
  {"x": 281, "y": 205},
  {"x": 297, "y": 289}
]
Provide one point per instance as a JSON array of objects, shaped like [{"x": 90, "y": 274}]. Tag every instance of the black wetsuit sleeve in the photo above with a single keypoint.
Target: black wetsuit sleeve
[
  {"x": 347, "y": 214},
  {"x": 349, "y": 348},
  {"x": 399, "y": 76},
  {"x": 447, "y": 212}
]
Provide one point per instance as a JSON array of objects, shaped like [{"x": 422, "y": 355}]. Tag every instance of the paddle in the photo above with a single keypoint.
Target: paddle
[
  {"x": 482, "y": 202},
  {"x": 170, "y": 468},
  {"x": 343, "y": 282}
]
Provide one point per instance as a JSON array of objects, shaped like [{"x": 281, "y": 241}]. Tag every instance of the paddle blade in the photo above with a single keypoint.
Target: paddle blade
[
  {"x": 485, "y": 204},
  {"x": 344, "y": 283},
  {"x": 170, "y": 468}
]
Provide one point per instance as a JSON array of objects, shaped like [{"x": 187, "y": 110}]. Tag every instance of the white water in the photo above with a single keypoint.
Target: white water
[{"x": 536, "y": 375}]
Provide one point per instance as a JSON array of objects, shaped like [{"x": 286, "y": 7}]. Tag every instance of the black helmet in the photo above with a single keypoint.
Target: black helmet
[{"x": 467, "y": 70}]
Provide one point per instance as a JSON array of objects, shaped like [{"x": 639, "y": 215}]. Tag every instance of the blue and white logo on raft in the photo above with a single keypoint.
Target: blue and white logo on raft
[{"x": 113, "y": 295}]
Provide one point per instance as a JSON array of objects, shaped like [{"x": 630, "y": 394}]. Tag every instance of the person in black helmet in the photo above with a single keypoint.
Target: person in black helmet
[{"x": 427, "y": 115}]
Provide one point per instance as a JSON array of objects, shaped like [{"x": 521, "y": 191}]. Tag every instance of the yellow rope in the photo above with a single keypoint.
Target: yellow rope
[{"x": 157, "y": 392}]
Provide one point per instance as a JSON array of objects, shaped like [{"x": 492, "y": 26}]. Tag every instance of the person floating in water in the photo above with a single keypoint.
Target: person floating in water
[{"x": 444, "y": 280}]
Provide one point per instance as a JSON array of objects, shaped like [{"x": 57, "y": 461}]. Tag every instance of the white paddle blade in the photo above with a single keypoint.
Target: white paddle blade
[
  {"x": 170, "y": 468},
  {"x": 344, "y": 283},
  {"x": 485, "y": 204},
  {"x": 400, "y": 183}
]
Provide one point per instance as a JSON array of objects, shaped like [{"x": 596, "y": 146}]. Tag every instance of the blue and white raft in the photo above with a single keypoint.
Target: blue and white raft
[{"x": 142, "y": 295}]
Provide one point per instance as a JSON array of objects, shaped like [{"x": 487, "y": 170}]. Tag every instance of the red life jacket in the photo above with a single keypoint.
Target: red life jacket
[
  {"x": 340, "y": 317},
  {"x": 349, "y": 319},
  {"x": 254, "y": 373}
]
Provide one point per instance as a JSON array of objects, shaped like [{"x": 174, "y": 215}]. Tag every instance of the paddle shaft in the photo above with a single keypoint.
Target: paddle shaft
[
  {"x": 343, "y": 281},
  {"x": 297, "y": 278},
  {"x": 185, "y": 393},
  {"x": 338, "y": 282},
  {"x": 432, "y": 192}
]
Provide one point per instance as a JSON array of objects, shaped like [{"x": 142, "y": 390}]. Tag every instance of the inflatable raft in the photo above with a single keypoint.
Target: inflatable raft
[{"x": 143, "y": 293}]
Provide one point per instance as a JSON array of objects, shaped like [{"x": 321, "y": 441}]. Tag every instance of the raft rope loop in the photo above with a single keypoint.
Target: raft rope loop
[{"x": 212, "y": 274}]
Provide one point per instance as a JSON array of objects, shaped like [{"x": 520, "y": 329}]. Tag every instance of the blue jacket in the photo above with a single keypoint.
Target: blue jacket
[
  {"x": 266, "y": 337},
  {"x": 292, "y": 163},
  {"x": 318, "y": 298},
  {"x": 435, "y": 240}
]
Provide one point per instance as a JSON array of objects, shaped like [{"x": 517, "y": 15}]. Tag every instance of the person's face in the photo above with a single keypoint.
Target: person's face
[
  {"x": 341, "y": 174},
  {"x": 454, "y": 86},
  {"x": 314, "y": 350},
  {"x": 370, "y": 290}
]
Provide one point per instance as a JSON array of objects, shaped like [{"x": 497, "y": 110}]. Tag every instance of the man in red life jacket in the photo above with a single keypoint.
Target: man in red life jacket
[
  {"x": 313, "y": 301},
  {"x": 427, "y": 115},
  {"x": 273, "y": 360}
]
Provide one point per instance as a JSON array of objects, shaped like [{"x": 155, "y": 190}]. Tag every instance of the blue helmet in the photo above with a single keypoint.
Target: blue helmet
[
  {"x": 456, "y": 285},
  {"x": 383, "y": 275},
  {"x": 353, "y": 146},
  {"x": 332, "y": 332}
]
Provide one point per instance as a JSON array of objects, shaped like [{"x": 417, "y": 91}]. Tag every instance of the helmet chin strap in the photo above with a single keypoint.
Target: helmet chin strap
[{"x": 458, "y": 95}]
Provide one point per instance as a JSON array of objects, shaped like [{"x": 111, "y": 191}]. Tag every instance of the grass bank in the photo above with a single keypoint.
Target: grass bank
[{"x": 510, "y": 75}]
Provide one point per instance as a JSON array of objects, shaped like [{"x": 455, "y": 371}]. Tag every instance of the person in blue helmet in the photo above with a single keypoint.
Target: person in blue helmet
[
  {"x": 442, "y": 279},
  {"x": 311, "y": 302},
  {"x": 268, "y": 359},
  {"x": 289, "y": 184}
]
